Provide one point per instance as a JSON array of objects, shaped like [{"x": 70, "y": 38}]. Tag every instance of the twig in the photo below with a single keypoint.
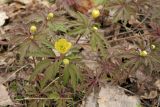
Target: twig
[
  {"x": 15, "y": 73},
  {"x": 34, "y": 61},
  {"x": 79, "y": 37},
  {"x": 122, "y": 33},
  {"x": 127, "y": 90},
  {"x": 3, "y": 42},
  {"x": 49, "y": 84},
  {"x": 41, "y": 99},
  {"x": 158, "y": 102},
  {"x": 130, "y": 37}
]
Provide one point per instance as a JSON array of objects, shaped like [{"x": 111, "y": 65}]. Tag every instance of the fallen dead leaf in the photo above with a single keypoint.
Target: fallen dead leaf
[
  {"x": 4, "y": 97},
  {"x": 111, "y": 96},
  {"x": 25, "y": 1},
  {"x": 1, "y": 80},
  {"x": 3, "y": 17},
  {"x": 157, "y": 84},
  {"x": 151, "y": 95},
  {"x": 2, "y": 1},
  {"x": 2, "y": 60}
]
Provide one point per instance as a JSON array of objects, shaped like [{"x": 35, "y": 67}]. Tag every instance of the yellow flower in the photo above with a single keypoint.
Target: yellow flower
[
  {"x": 50, "y": 16},
  {"x": 143, "y": 53},
  {"x": 95, "y": 13},
  {"x": 33, "y": 29},
  {"x": 66, "y": 61},
  {"x": 62, "y": 46}
]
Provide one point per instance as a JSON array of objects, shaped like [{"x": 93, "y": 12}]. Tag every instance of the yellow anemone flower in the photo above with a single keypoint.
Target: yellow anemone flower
[{"x": 62, "y": 46}]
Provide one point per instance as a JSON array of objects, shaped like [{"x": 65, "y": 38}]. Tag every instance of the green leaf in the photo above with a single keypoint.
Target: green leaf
[
  {"x": 61, "y": 103},
  {"x": 44, "y": 51},
  {"x": 98, "y": 42},
  {"x": 100, "y": 1},
  {"x": 51, "y": 72},
  {"x": 136, "y": 66},
  {"x": 54, "y": 95},
  {"x": 39, "y": 68},
  {"x": 66, "y": 75},
  {"x": 73, "y": 57},
  {"x": 41, "y": 53},
  {"x": 82, "y": 18},
  {"x": 93, "y": 42},
  {"x": 48, "y": 44},
  {"x": 123, "y": 9},
  {"x": 138, "y": 105},
  {"x": 77, "y": 31},
  {"x": 23, "y": 49},
  {"x": 33, "y": 104},
  {"x": 74, "y": 77},
  {"x": 57, "y": 26}
]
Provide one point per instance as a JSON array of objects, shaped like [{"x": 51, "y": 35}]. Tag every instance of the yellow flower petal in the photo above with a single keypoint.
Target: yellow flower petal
[
  {"x": 69, "y": 45},
  {"x": 62, "y": 40}
]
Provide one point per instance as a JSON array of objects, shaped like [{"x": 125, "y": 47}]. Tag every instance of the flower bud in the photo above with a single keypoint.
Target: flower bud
[
  {"x": 153, "y": 46},
  {"x": 66, "y": 61},
  {"x": 31, "y": 37},
  {"x": 50, "y": 16},
  {"x": 33, "y": 29},
  {"x": 143, "y": 53},
  {"x": 95, "y": 13},
  {"x": 95, "y": 28}
]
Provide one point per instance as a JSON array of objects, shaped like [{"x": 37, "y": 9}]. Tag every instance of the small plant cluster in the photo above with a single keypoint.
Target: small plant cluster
[{"x": 52, "y": 43}]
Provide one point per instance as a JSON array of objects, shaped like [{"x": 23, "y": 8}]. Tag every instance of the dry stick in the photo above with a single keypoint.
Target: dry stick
[
  {"x": 15, "y": 72},
  {"x": 131, "y": 93},
  {"x": 34, "y": 61},
  {"x": 120, "y": 39},
  {"x": 139, "y": 23},
  {"x": 127, "y": 90},
  {"x": 79, "y": 37},
  {"x": 131, "y": 31},
  {"x": 28, "y": 98},
  {"x": 127, "y": 33},
  {"x": 158, "y": 104},
  {"x": 126, "y": 38},
  {"x": 49, "y": 84}
]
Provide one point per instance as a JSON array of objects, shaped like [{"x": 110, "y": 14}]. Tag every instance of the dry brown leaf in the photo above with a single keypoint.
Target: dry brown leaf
[
  {"x": 2, "y": 60},
  {"x": 157, "y": 84},
  {"x": 3, "y": 17},
  {"x": 151, "y": 95},
  {"x": 25, "y": 1},
  {"x": 2, "y": 1},
  {"x": 4, "y": 97}
]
